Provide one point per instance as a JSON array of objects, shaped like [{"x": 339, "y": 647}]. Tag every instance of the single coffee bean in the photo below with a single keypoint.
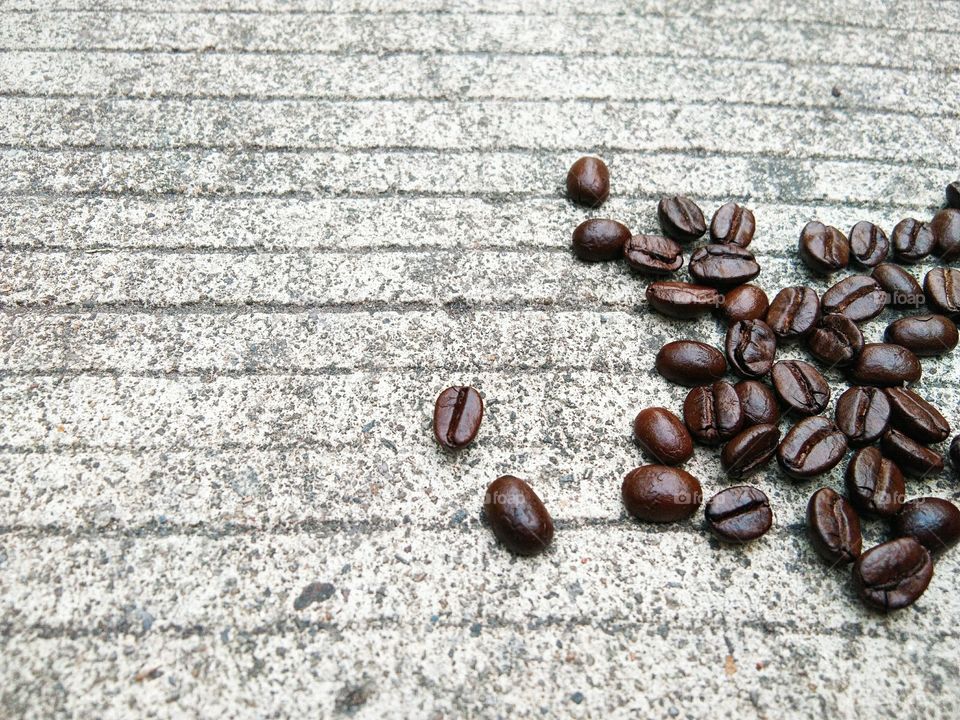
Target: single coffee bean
[
  {"x": 688, "y": 362},
  {"x": 733, "y": 224},
  {"x": 751, "y": 348},
  {"x": 955, "y": 453},
  {"x": 739, "y": 514},
  {"x": 885, "y": 364},
  {"x": 869, "y": 245},
  {"x": 657, "y": 493},
  {"x": 931, "y": 521},
  {"x": 660, "y": 433},
  {"x": 800, "y": 386},
  {"x": 942, "y": 290},
  {"x": 911, "y": 241},
  {"x": 953, "y": 194},
  {"x": 924, "y": 335},
  {"x": 863, "y": 414},
  {"x": 859, "y": 297},
  {"x": 758, "y": 402},
  {"x": 456, "y": 417},
  {"x": 588, "y": 182},
  {"x": 682, "y": 300},
  {"x": 750, "y": 450},
  {"x": 945, "y": 227},
  {"x": 893, "y": 575},
  {"x": 681, "y": 218},
  {"x": 794, "y": 312},
  {"x": 911, "y": 457},
  {"x": 746, "y": 302},
  {"x": 823, "y": 248},
  {"x": 597, "y": 239},
  {"x": 653, "y": 254},
  {"x": 911, "y": 414},
  {"x": 812, "y": 447},
  {"x": 902, "y": 288},
  {"x": 834, "y": 527},
  {"x": 712, "y": 413},
  {"x": 836, "y": 341},
  {"x": 723, "y": 266},
  {"x": 874, "y": 483},
  {"x": 517, "y": 516}
]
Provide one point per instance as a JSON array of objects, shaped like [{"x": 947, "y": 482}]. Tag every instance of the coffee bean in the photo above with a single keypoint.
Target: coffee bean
[
  {"x": 924, "y": 335},
  {"x": 932, "y": 522},
  {"x": 863, "y": 414},
  {"x": 942, "y": 289},
  {"x": 751, "y": 348},
  {"x": 747, "y": 302},
  {"x": 823, "y": 248},
  {"x": 681, "y": 218},
  {"x": 910, "y": 456},
  {"x": 902, "y": 288},
  {"x": 689, "y": 362},
  {"x": 739, "y": 514},
  {"x": 869, "y": 245},
  {"x": 885, "y": 364},
  {"x": 911, "y": 414},
  {"x": 712, "y": 413},
  {"x": 837, "y": 340},
  {"x": 812, "y": 447},
  {"x": 800, "y": 386},
  {"x": 859, "y": 297},
  {"x": 945, "y": 227},
  {"x": 794, "y": 312},
  {"x": 517, "y": 516},
  {"x": 588, "y": 182},
  {"x": 834, "y": 527},
  {"x": 893, "y": 575},
  {"x": 660, "y": 433},
  {"x": 723, "y": 266},
  {"x": 953, "y": 194},
  {"x": 758, "y": 402},
  {"x": 456, "y": 417},
  {"x": 597, "y": 239},
  {"x": 681, "y": 300},
  {"x": 750, "y": 450},
  {"x": 955, "y": 453},
  {"x": 653, "y": 254},
  {"x": 733, "y": 223},
  {"x": 911, "y": 241},
  {"x": 657, "y": 493},
  {"x": 874, "y": 483}
]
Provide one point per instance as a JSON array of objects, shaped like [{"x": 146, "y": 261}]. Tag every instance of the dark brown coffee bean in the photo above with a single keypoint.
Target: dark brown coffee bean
[
  {"x": 588, "y": 182},
  {"x": 911, "y": 414},
  {"x": 955, "y": 453},
  {"x": 945, "y": 227},
  {"x": 942, "y": 291},
  {"x": 657, "y": 493},
  {"x": 747, "y": 302},
  {"x": 739, "y": 514},
  {"x": 953, "y": 194},
  {"x": 884, "y": 364},
  {"x": 834, "y": 527},
  {"x": 597, "y": 239},
  {"x": 733, "y": 223},
  {"x": 681, "y": 218},
  {"x": 750, "y": 450},
  {"x": 723, "y": 266},
  {"x": 893, "y": 575},
  {"x": 859, "y": 297},
  {"x": 712, "y": 413},
  {"x": 660, "y": 433},
  {"x": 653, "y": 254},
  {"x": 794, "y": 312},
  {"x": 812, "y": 447},
  {"x": 758, "y": 402},
  {"x": 837, "y": 340},
  {"x": 751, "y": 348},
  {"x": 902, "y": 288},
  {"x": 911, "y": 241},
  {"x": 924, "y": 335},
  {"x": 863, "y": 414},
  {"x": 681, "y": 300},
  {"x": 931, "y": 521},
  {"x": 688, "y": 362},
  {"x": 911, "y": 457},
  {"x": 823, "y": 248},
  {"x": 517, "y": 516},
  {"x": 874, "y": 483},
  {"x": 869, "y": 245},
  {"x": 456, "y": 417},
  {"x": 800, "y": 386}
]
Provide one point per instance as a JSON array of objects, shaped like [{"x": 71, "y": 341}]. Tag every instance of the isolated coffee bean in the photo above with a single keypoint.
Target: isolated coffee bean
[
  {"x": 911, "y": 241},
  {"x": 733, "y": 224},
  {"x": 794, "y": 312},
  {"x": 911, "y": 414},
  {"x": 746, "y": 302},
  {"x": 902, "y": 288},
  {"x": 588, "y": 182},
  {"x": 800, "y": 386},
  {"x": 660, "y": 433},
  {"x": 751, "y": 348},
  {"x": 812, "y": 447},
  {"x": 863, "y": 414},
  {"x": 869, "y": 245},
  {"x": 942, "y": 291},
  {"x": 653, "y": 254},
  {"x": 758, "y": 402},
  {"x": 823, "y": 248},
  {"x": 885, "y": 364},
  {"x": 723, "y": 266},
  {"x": 517, "y": 516},
  {"x": 456, "y": 417},
  {"x": 932, "y": 522},
  {"x": 712, "y": 413},
  {"x": 893, "y": 575},
  {"x": 836, "y": 341},
  {"x": 682, "y": 300},
  {"x": 945, "y": 227},
  {"x": 657, "y": 493},
  {"x": 681, "y": 218},
  {"x": 834, "y": 527},
  {"x": 749, "y": 450},
  {"x": 739, "y": 514},
  {"x": 924, "y": 335},
  {"x": 875, "y": 484},
  {"x": 911, "y": 457},
  {"x": 596, "y": 240},
  {"x": 953, "y": 194},
  {"x": 859, "y": 297},
  {"x": 689, "y": 362}
]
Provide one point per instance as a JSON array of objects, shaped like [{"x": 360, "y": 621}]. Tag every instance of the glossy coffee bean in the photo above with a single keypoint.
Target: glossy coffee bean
[
  {"x": 596, "y": 240},
  {"x": 902, "y": 288},
  {"x": 911, "y": 241},
  {"x": 869, "y": 244},
  {"x": 681, "y": 218},
  {"x": 875, "y": 484},
  {"x": 945, "y": 227},
  {"x": 924, "y": 335},
  {"x": 681, "y": 300},
  {"x": 893, "y": 575},
  {"x": 859, "y": 297},
  {"x": 660, "y": 433},
  {"x": 653, "y": 254},
  {"x": 657, "y": 493},
  {"x": 517, "y": 516},
  {"x": 751, "y": 348},
  {"x": 746, "y": 302},
  {"x": 794, "y": 312},
  {"x": 942, "y": 290},
  {"x": 955, "y": 453},
  {"x": 739, "y": 514},
  {"x": 712, "y": 413},
  {"x": 863, "y": 414},
  {"x": 800, "y": 386},
  {"x": 588, "y": 182},
  {"x": 911, "y": 414},
  {"x": 834, "y": 527},
  {"x": 884, "y": 364},
  {"x": 749, "y": 450},
  {"x": 812, "y": 447},
  {"x": 953, "y": 194},
  {"x": 689, "y": 362},
  {"x": 911, "y": 457},
  {"x": 723, "y": 266},
  {"x": 932, "y": 522},
  {"x": 456, "y": 417},
  {"x": 733, "y": 224},
  {"x": 758, "y": 402},
  {"x": 837, "y": 341},
  {"x": 823, "y": 248}
]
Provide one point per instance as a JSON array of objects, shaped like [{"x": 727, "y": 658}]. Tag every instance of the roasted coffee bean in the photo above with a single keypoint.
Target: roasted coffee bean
[
  {"x": 517, "y": 516},
  {"x": 688, "y": 362},
  {"x": 953, "y": 194},
  {"x": 884, "y": 364},
  {"x": 758, "y": 402},
  {"x": 823, "y": 248},
  {"x": 863, "y": 414},
  {"x": 747, "y": 302},
  {"x": 874, "y": 483},
  {"x": 911, "y": 457},
  {"x": 924, "y": 335},
  {"x": 712, "y": 413},
  {"x": 942, "y": 290},
  {"x": 911, "y": 414},
  {"x": 739, "y": 514},
  {"x": 955, "y": 453},
  {"x": 657, "y": 493},
  {"x": 869, "y": 245},
  {"x": 733, "y": 223},
  {"x": 681, "y": 218},
  {"x": 911, "y": 241},
  {"x": 859, "y": 297},
  {"x": 723, "y": 266},
  {"x": 751, "y": 348},
  {"x": 834, "y": 527},
  {"x": 588, "y": 182},
  {"x": 893, "y": 575},
  {"x": 945, "y": 227},
  {"x": 653, "y": 254},
  {"x": 456, "y": 417},
  {"x": 931, "y": 521},
  {"x": 902, "y": 288},
  {"x": 811, "y": 447},
  {"x": 681, "y": 300},
  {"x": 660, "y": 433},
  {"x": 597, "y": 239},
  {"x": 837, "y": 340},
  {"x": 750, "y": 450},
  {"x": 800, "y": 386},
  {"x": 794, "y": 312}
]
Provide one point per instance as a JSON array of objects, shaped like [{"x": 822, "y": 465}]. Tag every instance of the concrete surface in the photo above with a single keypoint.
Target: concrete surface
[{"x": 245, "y": 243}]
